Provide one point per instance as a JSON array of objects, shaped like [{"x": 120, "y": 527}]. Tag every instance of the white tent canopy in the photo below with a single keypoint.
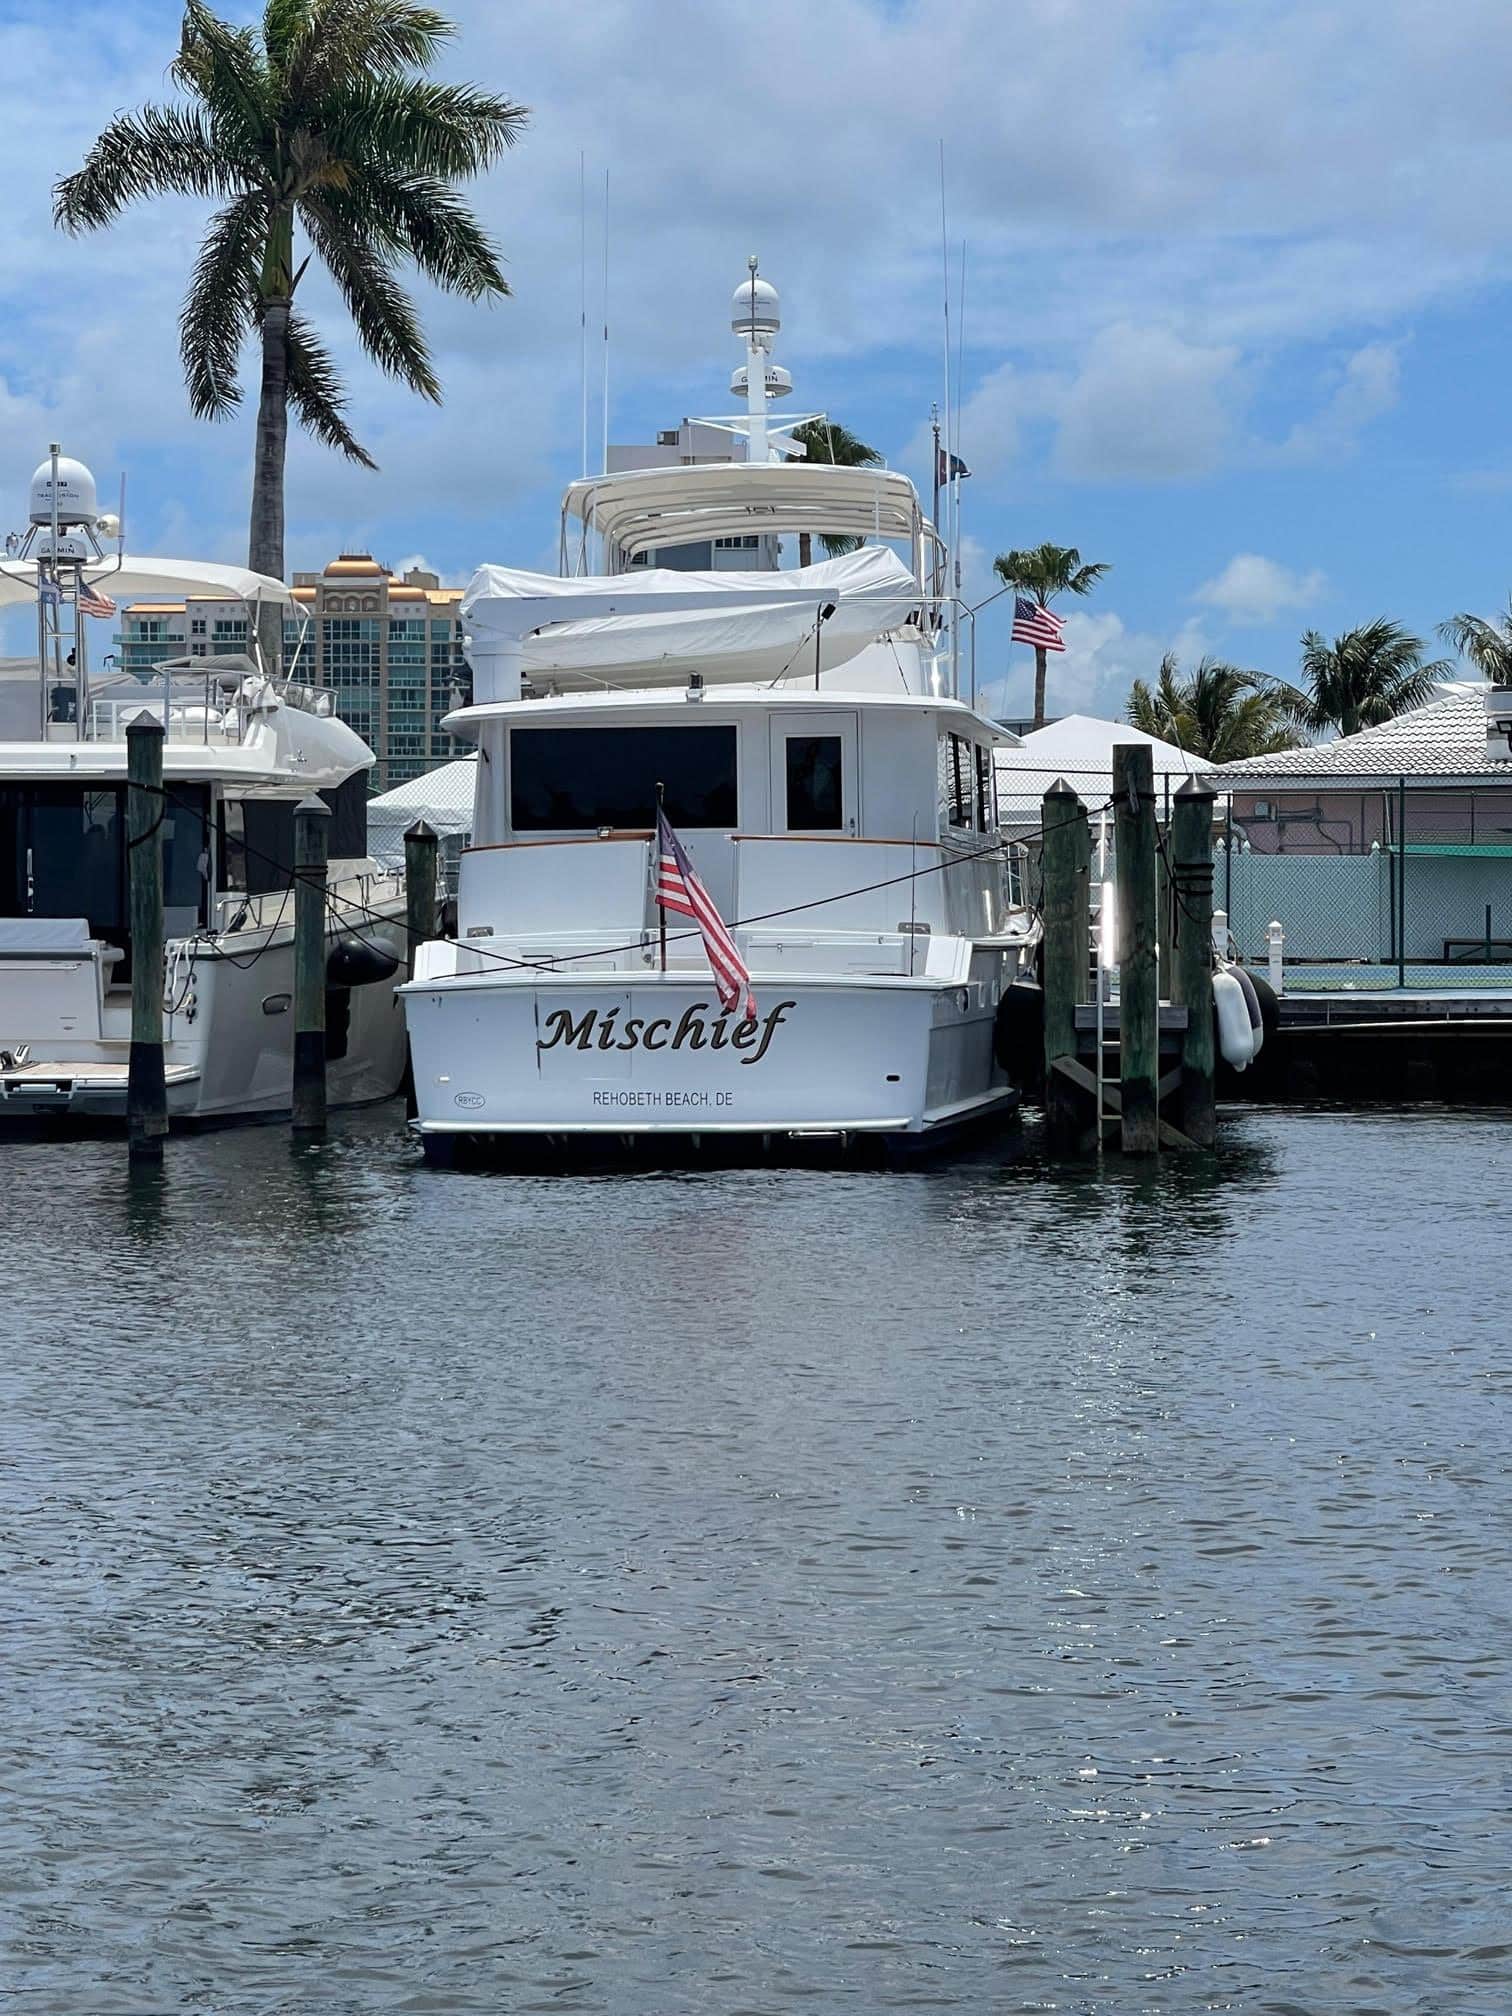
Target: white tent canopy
[
  {"x": 1079, "y": 747},
  {"x": 442, "y": 797},
  {"x": 868, "y": 592},
  {"x": 135, "y": 578}
]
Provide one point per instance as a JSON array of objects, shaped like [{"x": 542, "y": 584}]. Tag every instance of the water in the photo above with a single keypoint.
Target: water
[{"x": 978, "y": 1590}]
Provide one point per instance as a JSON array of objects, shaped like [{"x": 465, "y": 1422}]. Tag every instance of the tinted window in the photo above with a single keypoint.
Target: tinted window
[
  {"x": 960, "y": 782},
  {"x": 984, "y": 788},
  {"x": 575, "y": 780},
  {"x": 814, "y": 793}
]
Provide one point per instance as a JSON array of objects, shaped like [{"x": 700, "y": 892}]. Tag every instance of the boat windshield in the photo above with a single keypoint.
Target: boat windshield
[{"x": 63, "y": 854}]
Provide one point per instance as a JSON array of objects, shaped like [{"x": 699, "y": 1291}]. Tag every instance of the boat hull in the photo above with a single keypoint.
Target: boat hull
[{"x": 645, "y": 1056}]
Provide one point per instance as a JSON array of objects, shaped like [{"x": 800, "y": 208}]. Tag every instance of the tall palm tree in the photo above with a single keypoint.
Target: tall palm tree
[
  {"x": 827, "y": 441},
  {"x": 318, "y": 122},
  {"x": 1486, "y": 641},
  {"x": 1369, "y": 675},
  {"x": 1219, "y": 712},
  {"x": 1045, "y": 572}
]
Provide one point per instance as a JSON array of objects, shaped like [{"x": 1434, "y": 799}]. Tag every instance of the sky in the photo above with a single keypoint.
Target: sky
[{"x": 1237, "y": 279}]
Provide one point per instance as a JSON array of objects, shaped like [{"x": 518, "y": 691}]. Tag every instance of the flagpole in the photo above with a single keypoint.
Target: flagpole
[{"x": 661, "y": 908}]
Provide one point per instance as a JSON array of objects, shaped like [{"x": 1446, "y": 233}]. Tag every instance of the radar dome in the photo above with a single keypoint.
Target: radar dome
[
  {"x": 77, "y": 502},
  {"x": 761, "y": 296}
]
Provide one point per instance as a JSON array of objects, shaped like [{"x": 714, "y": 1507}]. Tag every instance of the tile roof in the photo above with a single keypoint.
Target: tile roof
[{"x": 1447, "y": 738}]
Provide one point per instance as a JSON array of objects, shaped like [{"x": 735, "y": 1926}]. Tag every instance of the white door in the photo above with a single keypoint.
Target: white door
[{"x": 814, "y": 773}]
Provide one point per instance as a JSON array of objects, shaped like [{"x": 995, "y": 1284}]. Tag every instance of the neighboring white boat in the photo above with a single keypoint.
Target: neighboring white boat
[
  {"x": 240, "y": 751},
  {"x": 805, "y": 734}
]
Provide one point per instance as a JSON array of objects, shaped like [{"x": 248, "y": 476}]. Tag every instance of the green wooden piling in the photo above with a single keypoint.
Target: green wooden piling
[
  {"x": 312, "y": 839},
  {"x": 146, "y": 1090},
  {"x": 1138, "y": 979},
  {"x": 1191, "y": 850},
  {"x": 1065, "y": 849},
  {"x": 419, "y": 890}
]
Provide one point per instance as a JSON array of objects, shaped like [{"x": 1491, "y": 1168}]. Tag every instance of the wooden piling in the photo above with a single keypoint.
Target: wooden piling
[
  {"x": 1065, "y": 849},
  {"x": 1191, "y": 849},
  {"x": 1138, "y": 978},
  {"x": 419, "y": 890},
  {"x": 312, "y": 837},
  {"x": 146, "y": 1090}
]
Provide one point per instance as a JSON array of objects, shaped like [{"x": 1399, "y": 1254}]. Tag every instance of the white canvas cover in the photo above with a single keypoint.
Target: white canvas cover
[
  {"x": 871, "y": 589},
  {"x": 139, "y": 579}
]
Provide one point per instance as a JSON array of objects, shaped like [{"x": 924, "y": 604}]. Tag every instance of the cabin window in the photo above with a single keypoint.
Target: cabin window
[
  {"x": 815, "y": 798},
  {"x": 575, "y": 780},
  {"x": 960, "y": 781},
  {"x": 984, "y": 806}
]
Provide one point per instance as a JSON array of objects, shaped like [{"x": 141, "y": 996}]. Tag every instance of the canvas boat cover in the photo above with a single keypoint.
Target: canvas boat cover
[
  {"x": 871, "y": 589},
  {"x": 139, "y": 579}
]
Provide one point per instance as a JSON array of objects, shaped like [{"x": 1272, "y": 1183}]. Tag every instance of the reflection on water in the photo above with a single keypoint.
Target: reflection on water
[{"x": 986, "y": 1588}]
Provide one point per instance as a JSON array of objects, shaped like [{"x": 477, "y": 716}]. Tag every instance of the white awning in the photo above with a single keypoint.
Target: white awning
[
  {"x": 868, "y": 593},
  {"x": 136, "y": 578},
  {"x": 644, "y": 508}
]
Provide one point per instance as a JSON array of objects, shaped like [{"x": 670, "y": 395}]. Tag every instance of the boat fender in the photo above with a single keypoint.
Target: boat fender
[
  {"x": 1270, "y": 1007},
  {"x": 1018, "y": 1032},
  {"x": 1251, "y": 1001},
  {"x": 1236, "y": 1036},
  {"x": 359, "y": 962}
]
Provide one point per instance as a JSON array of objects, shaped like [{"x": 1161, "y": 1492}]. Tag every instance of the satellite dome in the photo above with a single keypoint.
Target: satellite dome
[
  {"x": 77, "y": 502},
  {"x": 760, "y": 295}
]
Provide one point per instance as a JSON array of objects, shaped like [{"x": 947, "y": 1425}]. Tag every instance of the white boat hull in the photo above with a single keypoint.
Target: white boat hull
[
  {"x": 228, "y": 1047},
  {"x": 651, "y": 1054}
]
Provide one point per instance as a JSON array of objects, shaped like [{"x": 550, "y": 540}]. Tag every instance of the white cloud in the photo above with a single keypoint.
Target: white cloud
[
  {"x": 1146, "y": 403},
  {"x": 1102, "y": 659},
  {"x": 1252, "y": 589},
  {"x": 1367, "y": 384}
]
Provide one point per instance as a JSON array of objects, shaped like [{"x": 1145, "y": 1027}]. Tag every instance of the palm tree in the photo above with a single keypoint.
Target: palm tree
[
  {"x": 828, "y": 441},
  {"x": 1367, "y": 676},
  {"x": 1485, "y": 641},
  {"x": 1220, "y": 712},
  {"x": 314, "y": 122},
  {"x": 1045, "y": 572}
]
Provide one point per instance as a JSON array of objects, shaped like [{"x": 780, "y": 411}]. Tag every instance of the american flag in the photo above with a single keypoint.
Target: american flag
[
  {"x": 678, "y": 888},
  {"x": 93, "y": 603},
  {"x": 1033, "y": 623}
]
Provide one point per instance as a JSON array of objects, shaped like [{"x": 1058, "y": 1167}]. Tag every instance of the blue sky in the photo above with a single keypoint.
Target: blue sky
[{"x": 1237, "y": 288}]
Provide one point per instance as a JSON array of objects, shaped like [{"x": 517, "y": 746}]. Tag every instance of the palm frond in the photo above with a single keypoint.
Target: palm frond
[
  {"x": 382, "y": 312},
  {"x": 341, "y": 38},
  {"x": 317, "y": 395},
  {"x": 1486, "y": 643},
  {"x": 1047, "y": 571},
  {"x": 421, "y": 217},
  {"x": 224, "y": 67},
  {"x": 160, "y": 150},
  {"x": 219, "y": 308},
  {"x": 415, "y": 127},
  {"x": 828, "y": 442}
]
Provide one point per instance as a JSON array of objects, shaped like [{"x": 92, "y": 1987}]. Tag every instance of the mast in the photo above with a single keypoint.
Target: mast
[{"x": 757, "y": 343}]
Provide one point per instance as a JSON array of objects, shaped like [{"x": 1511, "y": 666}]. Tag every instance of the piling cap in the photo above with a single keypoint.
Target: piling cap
[
  {"x": 1196, "y": 787},
  {"x": 312, "y": 807},
  {"x": 422, "y": 830},
  {"x": 147, "y": 722},
  {"x": 1061, "y": 789}
]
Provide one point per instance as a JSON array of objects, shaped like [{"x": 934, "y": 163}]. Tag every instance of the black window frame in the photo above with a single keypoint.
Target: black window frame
[
  {"x": 985, "y": 779},
  {"x": 960, "y": 783},
  {"x": 790, "y": 742}
]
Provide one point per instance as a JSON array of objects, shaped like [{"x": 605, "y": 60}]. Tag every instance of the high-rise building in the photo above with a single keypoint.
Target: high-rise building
[{"x": 388, "y": 648}]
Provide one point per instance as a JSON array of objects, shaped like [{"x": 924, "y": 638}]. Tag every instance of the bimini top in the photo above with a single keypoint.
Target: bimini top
[
  {"x": 134, "y": 578},
  {"x": 862, "y": 596},
  {"x": 644, "y": 508}
]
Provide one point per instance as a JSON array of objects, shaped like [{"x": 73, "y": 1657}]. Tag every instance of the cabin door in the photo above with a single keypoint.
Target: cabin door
[{"x": 814, "y": 773}]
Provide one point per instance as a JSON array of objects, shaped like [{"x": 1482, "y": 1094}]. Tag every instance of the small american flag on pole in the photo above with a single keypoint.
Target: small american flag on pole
[
  {"x": 678, "y": 888},
  {"x": 93, "y": 603},
  {"x": 1033, "y": 623}
]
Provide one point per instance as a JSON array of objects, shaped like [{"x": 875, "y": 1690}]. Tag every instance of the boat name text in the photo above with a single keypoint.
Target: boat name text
[{"x": 594, "y": 1030}]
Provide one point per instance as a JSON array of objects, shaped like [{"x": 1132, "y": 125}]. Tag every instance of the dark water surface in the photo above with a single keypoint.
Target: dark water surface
[{"x": 975, "y": 1590}]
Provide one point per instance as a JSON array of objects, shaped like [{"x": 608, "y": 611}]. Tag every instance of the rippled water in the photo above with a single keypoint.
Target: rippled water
[{"x": 980, "y": 1589}]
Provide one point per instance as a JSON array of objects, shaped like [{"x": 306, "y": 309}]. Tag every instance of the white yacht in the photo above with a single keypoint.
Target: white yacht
[
  {"x": 805, "y": 734},
  {"x": 240, "y": 751}
]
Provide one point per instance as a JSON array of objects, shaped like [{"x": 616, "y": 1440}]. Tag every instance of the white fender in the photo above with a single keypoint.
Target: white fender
[
  {"x": 1236, "y": 1037},
  {"x": 1252, "y": 1003}
]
